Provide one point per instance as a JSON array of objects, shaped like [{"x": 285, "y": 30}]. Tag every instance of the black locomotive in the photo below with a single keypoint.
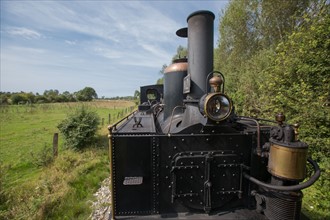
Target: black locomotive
[{"x": 186, "y": 154}]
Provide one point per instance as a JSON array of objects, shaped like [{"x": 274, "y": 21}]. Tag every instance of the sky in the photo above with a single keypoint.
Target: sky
[{"x": 112, "y": 46}]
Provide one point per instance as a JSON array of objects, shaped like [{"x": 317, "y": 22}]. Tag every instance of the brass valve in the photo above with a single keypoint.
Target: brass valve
[{"x": 280, "y": 117}]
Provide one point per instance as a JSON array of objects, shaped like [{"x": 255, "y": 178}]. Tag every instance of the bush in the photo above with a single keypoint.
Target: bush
[
  {"x": 79, "y": 128},
  {"x": 43, "y": 158}
]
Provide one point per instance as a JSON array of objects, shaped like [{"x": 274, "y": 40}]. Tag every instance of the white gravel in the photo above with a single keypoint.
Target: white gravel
[{"x": 101, "y": 204}]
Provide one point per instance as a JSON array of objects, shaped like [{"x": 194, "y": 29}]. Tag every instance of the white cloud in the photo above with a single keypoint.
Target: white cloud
[
  {"x": 24, "y": 32},
  {"x": 71, "y": 42}
]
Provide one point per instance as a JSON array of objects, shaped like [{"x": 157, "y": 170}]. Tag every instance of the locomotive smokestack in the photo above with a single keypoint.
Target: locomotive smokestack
[{"x": 200, "y": 51}]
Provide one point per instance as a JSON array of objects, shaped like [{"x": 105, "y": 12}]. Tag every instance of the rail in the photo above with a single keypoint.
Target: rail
[{"x": 113, "y": 127}]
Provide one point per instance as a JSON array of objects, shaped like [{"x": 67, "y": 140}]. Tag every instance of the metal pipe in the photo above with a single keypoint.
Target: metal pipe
[{"x": 303, "y": 185}]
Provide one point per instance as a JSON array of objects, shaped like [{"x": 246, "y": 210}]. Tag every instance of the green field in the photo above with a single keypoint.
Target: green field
[{"x": 32, "y": 188}]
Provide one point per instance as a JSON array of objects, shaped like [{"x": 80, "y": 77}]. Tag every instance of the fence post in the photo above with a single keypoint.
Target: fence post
[
  {"x": 55, "y": 145},
  {"x": 109, "y": 118}
]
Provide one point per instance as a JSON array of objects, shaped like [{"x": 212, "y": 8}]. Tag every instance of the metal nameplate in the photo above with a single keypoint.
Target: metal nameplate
[
  {"x": 133, "y": 180},
  {"x": 186, "y": 84}
]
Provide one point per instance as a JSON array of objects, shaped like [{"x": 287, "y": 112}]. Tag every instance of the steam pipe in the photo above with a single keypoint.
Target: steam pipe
[{"x": 303, "y": 185}]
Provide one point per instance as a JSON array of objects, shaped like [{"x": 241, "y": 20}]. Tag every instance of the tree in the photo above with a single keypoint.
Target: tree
[
  {"x": 18, "y": 98},
  {"x": 4, "y": 98},
  {"x": 30, "y": 97},
  {"x": 41, "y": 99},
  {"x": 181, "y": 52},
  {"x": 249, "y": 34},
  {"x": 298, "y": 84},
  {"x": 136, "y": 94},
  {"x": 275, "y": 56},
  {"x": 51, "y": 95},
  {"x": 86, "y": 94}
]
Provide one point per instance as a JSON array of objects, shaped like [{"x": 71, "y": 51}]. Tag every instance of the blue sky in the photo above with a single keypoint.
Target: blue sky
[{"x": 113, "y": 46}]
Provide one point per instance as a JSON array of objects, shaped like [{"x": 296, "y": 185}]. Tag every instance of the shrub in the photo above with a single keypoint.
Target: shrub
[
  {"x": 44, "y": 157},
  {"x": 79, "y": 128}
]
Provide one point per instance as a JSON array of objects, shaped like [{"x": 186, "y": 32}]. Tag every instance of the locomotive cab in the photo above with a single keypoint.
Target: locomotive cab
[{"x": 186, "y": 154}]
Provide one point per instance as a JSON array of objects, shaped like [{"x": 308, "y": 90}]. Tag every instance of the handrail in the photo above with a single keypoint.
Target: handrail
[{"x": 114, "y": 126}]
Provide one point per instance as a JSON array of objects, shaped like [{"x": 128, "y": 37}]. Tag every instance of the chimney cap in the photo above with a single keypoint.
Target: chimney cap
[{"x": 201, "y": 12}]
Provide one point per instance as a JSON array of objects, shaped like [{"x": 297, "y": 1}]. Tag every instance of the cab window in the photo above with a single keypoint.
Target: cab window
[{"x": 151, "y": 94}]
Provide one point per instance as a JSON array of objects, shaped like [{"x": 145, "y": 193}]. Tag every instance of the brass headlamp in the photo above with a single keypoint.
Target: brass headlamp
[{"x": 216, "y": 106}]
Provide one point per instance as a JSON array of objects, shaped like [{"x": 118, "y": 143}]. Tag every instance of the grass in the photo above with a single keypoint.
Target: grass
[{"x": 62, "y": 189}]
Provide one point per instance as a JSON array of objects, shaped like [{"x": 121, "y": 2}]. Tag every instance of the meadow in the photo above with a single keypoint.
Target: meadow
[{"x": 34, "y": 184}]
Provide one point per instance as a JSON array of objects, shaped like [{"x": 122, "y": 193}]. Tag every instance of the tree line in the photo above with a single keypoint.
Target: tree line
[
  {"x": 275, "y": 56},
  {"x": 49, "y": 96}
]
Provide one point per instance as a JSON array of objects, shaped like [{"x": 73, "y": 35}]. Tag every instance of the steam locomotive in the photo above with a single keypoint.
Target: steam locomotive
[{"x": 186, "y": 154}]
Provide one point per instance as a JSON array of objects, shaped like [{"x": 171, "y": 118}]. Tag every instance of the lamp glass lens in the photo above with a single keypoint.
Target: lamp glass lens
[{"x": 218, "y": 107}]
